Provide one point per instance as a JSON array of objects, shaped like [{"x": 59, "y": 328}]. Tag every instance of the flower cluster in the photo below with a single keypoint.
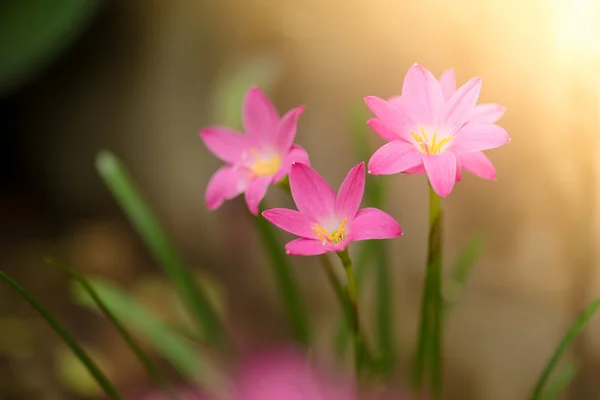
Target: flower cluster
[{"x": 432, "y": 128}]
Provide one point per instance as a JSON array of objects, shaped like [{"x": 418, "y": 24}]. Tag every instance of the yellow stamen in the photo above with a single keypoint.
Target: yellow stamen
[
  {"x": 429, "y": 147},
  {"x": 329, "y": 238},
  {"x": 264, "y": 167}
]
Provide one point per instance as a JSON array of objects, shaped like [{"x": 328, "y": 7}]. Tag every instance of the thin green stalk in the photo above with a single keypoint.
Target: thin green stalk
[
  {"x": 569, "y": 337},
  {"x": 353, "y": 296},
  {"x": 152, "y": 371},
  {"x": 123, "y": 188},
  {"x": 91, "y": 366},
  {"x": 282, "y": 270},
  {"x": 429, "y": 348},
  {"x": 338, "y": 288}
]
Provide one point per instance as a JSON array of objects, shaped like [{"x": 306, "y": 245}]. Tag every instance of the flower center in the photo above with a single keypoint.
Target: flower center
[
  {"x": 264, "y": 166},
  {"x": 429, "y": 147},
  {"x": 330, "y": 238}
]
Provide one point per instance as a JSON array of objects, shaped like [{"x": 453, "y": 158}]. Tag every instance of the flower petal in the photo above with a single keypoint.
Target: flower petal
[
  {"x": 422, "y": 95},
  {"x": 477, "y": 136},
  {"x": 394, "y": 117},
  {"x": 458, "y": 169},
  {"x": 459, "y": 107},
  {"x": 296, "y": 155},
  {"x": 306, "y": 247},
  {"x": 372, "y": 223},
  {"x": 227, "y": 183},
  {"x": 225, "y": 143},
  {"x": 291, "y": 221},
  {"x": 394, "y": 157},
  {"x": 257, "y": 188},
  {"x": 260, "y": 117},
  {"x": 448, "y": 84},
  {"x": 351, "y": 193},
  {"x": 286, "y": 128},
  {"x": 383, "y": 130},
  {"x": 478, "y": 164},
  {"x": 441, "y": 169},
  {"x": 419, "y": 169},
  {"x": 312, "y": 194},
  {"x": 490, "y": 112}
]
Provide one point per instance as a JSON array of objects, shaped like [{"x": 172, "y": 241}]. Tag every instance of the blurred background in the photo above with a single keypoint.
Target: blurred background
[{"x": 141, "y": 77}]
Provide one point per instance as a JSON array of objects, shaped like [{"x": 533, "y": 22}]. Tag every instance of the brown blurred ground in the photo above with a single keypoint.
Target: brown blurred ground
[{"x": 139, "y": 83}]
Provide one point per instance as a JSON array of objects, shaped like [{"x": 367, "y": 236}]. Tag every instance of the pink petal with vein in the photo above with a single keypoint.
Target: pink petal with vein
[
  {"x": 257, "y": 188},
  {"x": 478, "y": 164},
  {"x": 312, "y": 194},
  {"x": 291, "y": 221},
  {"x": 351, "y": 193},
  {"x": 395, "y": 118},
  {"x": 394, "y": 157},
  {"x": 306, "y": 247},
  {"x": 227, "y": 183},
  {"x": 286, "y": 128},
  {"x": 296, "y": 155},
  {"x": 490, "y": 112},
  {"x": 478, "y": 136},
  {"x": 459, "y": 107},
  {"x": 372, "y": 223},
  {"x": 260, "y": 117},
  {"x": 422, "y": 95},
  {"x": 225, "y": 143},
  {"x": 448, "y": 84},
  {"x": 441, "y": 169}
]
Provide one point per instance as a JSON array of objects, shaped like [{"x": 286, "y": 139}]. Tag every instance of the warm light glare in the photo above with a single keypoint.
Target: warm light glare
[{"x": 577, "y": 27}]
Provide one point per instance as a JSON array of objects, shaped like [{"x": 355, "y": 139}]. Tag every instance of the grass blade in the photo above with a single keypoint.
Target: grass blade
[
  {"x": 174, "y": 348},
  {"x": 376, "y": 250},
  {"x": 94, "y": 370},
  {"x": 562, "y": 381},
  {"x": 458, "y": 276},
  {"x": 569, "y": 337},
  {"x": 151, "y": 369},
  {"x": 282, "y": 270},
  {"x": 147, "y": 226}
]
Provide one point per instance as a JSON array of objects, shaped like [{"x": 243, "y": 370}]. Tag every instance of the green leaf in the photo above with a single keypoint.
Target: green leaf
[
  {"x": 459, "y": 274},
  {"x": 91, "y": 366},
  {"x": 569, "y": 337},
  {"x": 563, "y": 380},
  {"x": 179, "y": 351},
  {"x": 151, "y": 369},
  {"x": 282, "y": 270},
  {"x": 147, "y": 226},
  {"x": 33, "y": 34}
]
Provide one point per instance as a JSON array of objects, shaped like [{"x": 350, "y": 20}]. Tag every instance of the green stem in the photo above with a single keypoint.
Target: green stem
[
  {"x": 352, "y": 292},
  {"x": 286, "y": 283},
  {"x": 429, "y": 348},
  {"x": 91, "y": 366}
]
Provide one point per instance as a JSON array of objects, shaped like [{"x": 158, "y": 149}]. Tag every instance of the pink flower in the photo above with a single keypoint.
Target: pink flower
[
  {"x": 434, "y": 129},
  {"x": 290, "y": 376},
  {"x": 326, "y": 222},
  {"x": 256, "y": 160}
]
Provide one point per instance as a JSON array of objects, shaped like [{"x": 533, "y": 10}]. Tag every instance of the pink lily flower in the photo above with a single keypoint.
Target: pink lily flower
[
  {"x": 434, "y": 129},
  {"x": 326, "y": 222},
  {"x": 257, "y": 159}
]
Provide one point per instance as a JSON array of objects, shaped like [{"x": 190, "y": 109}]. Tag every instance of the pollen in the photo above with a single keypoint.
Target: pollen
[
  {"x": 330, "y": 238},
  {"x": 429, "y": 147},
  {"x": 264, "y": 166}
]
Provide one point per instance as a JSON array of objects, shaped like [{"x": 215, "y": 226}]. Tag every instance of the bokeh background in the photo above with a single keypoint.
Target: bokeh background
[{"x": 140, "y": 78}]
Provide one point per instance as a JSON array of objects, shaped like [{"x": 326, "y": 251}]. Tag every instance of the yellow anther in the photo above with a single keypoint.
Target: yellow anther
[
  {"x": 329, "y": 238},
  {"x": 263, "y": 167},
  {"x": 427, "y": 147}
]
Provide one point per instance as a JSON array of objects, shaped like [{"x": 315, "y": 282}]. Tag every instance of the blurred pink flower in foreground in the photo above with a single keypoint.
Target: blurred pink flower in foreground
[
  {"x": 326, "y": 222},
  {"x": 286, "y": 375},
  {"x": 434, "y": 129},
  {"x": 257, "y": 159}
]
